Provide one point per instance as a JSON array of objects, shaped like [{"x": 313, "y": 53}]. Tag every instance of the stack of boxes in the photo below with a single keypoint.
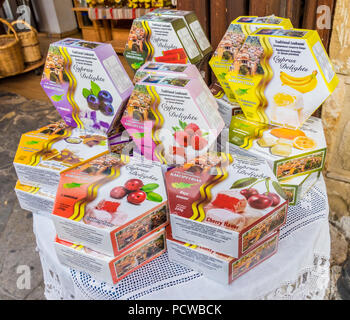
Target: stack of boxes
[{"x": 112, "y": 206}]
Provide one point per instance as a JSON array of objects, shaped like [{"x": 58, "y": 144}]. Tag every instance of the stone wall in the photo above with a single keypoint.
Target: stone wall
[{"x": 336, "y": 121}]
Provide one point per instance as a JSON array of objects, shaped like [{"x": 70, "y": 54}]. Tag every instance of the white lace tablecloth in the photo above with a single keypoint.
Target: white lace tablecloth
[{"x": 299, "y": 270}]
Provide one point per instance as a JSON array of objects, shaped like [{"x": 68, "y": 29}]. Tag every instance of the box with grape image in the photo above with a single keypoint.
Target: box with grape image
[
  {"x": 290, "y": 152},
  {"x": 43, "y": 154},
  {"x": 172, "y": 119},
  {"x": 233, "y": 40},
  {"x": 228, "y": 203},
  {"x": 217, "y": 266},
  {"x": 34, "y": 199},
  {"x": 281, "y": 76},
  {"x": 111, "y": 203},
  {"x": 108, "y": 268},
  {"x": 160, "y": 39},
  {"x": 86, "y": 83}
]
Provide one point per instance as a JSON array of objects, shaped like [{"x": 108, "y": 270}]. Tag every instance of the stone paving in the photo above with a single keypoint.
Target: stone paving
[{"x": 17, "y": 241}]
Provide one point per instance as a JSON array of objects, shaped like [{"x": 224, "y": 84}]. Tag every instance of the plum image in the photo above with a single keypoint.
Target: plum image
[
  {"x": 260, "y": 201},
  {"x": 107, "y": 109},
  {"x": 93, "y": 102},
  {"x": 105, "y": 96}
]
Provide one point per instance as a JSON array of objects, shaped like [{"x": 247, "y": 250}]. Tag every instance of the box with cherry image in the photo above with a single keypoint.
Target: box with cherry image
[
  {"x": 223, "y": 202},
  {"x": 111, "y": 203}
]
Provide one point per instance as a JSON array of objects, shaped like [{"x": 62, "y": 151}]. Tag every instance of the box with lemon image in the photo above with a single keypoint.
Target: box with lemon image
[
  {"x": 281, "y": 77},
  {"x": 289, "y": 152}
]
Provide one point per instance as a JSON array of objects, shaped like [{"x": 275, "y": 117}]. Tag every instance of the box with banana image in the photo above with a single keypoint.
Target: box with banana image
[
  {"x": 281, "y": 76},
  {"x": 289, "y": 152}
]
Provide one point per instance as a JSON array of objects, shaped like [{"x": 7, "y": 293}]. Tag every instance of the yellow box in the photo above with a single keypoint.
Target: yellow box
[
  {"x": 232, "y": 41},
  {"x": 281, "y": 77}
]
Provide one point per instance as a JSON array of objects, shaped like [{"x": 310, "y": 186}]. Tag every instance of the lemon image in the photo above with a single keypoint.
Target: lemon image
[{"x": 304, "y": 143}]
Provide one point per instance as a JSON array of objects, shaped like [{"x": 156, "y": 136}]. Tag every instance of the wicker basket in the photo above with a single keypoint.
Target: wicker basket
[
  {"x": 29, "y": 42},
  {"x": 11, "y": 57}
]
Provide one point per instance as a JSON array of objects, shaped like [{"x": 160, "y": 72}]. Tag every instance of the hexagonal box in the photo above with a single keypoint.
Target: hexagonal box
[{"x": 86, "y": 83}]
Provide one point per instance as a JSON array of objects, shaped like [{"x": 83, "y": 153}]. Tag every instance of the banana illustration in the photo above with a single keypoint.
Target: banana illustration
[{"x": 301, "y": 84}]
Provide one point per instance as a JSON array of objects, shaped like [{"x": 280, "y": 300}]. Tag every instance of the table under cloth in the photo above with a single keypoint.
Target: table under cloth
[{"x": 299, "y": 270}]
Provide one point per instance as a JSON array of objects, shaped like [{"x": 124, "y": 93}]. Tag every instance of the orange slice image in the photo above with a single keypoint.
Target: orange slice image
[{"x": 304, "y": 143}]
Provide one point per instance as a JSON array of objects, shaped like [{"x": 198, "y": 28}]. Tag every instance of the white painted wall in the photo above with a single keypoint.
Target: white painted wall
[{"x": 55, "y": 16}]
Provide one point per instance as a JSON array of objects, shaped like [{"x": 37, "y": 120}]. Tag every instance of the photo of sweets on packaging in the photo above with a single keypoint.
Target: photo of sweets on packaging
[
  {"x": 223, "y": 202},
  {"x": 108, "y": 268},
  {"x": 193, "y": 25},
  {"x": 111, "y": 203},
  {"x": 171, "y": 119},
  {"x": 281, "y": 77},
  {"x": 289, "y": 152},
  {"x": 296, "y": 188},
  {"x": 227, "y": 108},
  {"x": 34, "y": 199},
  {"x": 86, "y": 83},
  {"x": 233, "y": 40},
  {"x": 216, "y": 266},
  {"x": 160, "y": 39},
  {"x": 43, "y": 154}
]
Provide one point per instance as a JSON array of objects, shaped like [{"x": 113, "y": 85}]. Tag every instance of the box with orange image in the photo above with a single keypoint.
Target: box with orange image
[
  {"x": 281, "y": 76},
  {"x": 224, "y": 202},
  {"x": 110, "y": 203},
  {"x": 217, "y": 266},
  {"x": 107, "y": 268},
  {"x": 289, "y": 152},
  {"x": 44, "y": 153}
]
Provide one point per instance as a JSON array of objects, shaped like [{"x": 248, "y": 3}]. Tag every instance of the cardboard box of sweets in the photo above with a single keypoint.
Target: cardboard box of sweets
[
  {"x": 107, "y": 268},
  {"x": 44, "y": 153},
  {"x": 111, "y": 203},
  {"x": 160, "y": 39},
  {"x": 297, "y": 187},
  {"x": 227, "y": 108},
  {"x": 232, "y": 41},
  {"x": 171, "y": 118},
  {"x": 281, "y": 77},
  {"x": 34, "y": 199},
  {"x": 217, "y": 266},
  {"x": 289, "y": 152},
  {"x": 226, "y": 203},
  {"x": 193, "y": 25},
  {"x": 86, "y": 83}
]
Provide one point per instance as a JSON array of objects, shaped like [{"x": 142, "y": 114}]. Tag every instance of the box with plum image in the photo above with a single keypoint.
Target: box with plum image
[
  {"x": 228, "y": 203},
  {"x": 111, "y": 203}
]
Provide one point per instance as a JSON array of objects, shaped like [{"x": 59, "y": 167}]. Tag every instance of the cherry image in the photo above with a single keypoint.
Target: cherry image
[
  {"x": 192, "y": 129},
  {"x": 260, "y": 201},
  {"x": 133, "y": 184},
  {"x": 198, "y": 142},
  {"x": 274, "y": 197},
  {"x": 136, "y": 197},
  {"x": 247, "y": 193},
  {"x": 182, "y": 138},
  {"x": 93, "y": 102},
  {"x": 118, "y": 192}
]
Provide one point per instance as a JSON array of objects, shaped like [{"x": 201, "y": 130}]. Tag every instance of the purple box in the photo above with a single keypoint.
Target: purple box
[{"x": 86, "y": 83}]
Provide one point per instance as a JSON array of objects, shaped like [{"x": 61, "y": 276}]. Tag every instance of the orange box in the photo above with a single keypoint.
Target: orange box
[{"x": 107, "y": 268}]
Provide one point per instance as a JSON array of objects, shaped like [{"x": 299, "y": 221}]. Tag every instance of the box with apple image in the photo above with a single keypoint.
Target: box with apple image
[
  {"x": 296, "y": 188},
  {"x": 86, "y": 83},
  {"x": 281, "y": 76},
  {"x": 34, "y": 199},
  {"x": 172, "y": 119},
  {"x": 289, "y": 152},
  {"x": 227, "y": 108},
  {"x": 193, "y": 25},
  {"x": 160, "y": 39},
  {"x": 232, "y": 41},
  {"x": 223, "y": 202},
  {"x": 111, "y": 203},
  {"x": 107, "y": 268},
  {"x": 217, "y": 266},
  {"x": 44, "y": 153}
]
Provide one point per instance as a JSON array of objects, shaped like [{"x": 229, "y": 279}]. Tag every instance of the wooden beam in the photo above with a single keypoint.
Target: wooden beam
[{"x": 264, "y": 7}]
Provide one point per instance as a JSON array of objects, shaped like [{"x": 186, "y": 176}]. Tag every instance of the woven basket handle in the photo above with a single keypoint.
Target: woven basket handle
[
  {"x": 26, "y": 24},
  {"x": 9, "y": 28}
]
